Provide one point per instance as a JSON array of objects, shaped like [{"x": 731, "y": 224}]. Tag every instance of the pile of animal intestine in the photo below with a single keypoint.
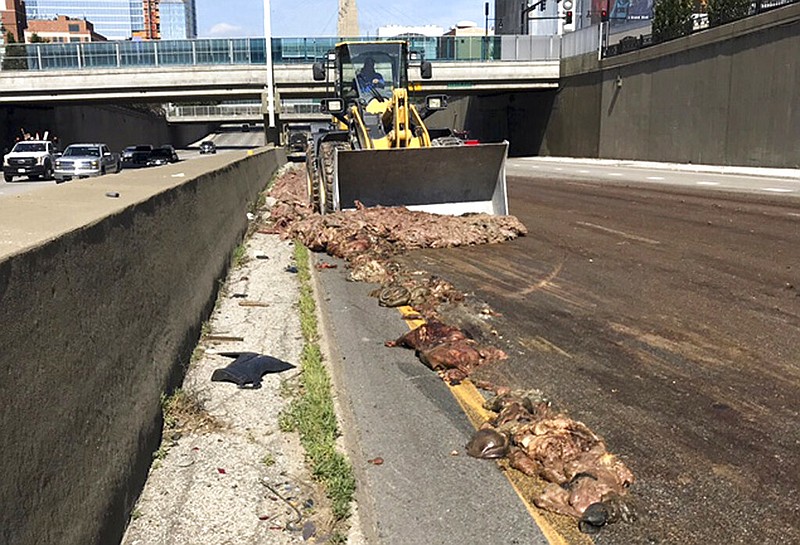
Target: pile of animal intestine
[{"x": 585, "y": 480}]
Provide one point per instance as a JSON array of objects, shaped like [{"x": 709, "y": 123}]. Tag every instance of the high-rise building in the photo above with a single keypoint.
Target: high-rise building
[
  {"x": 151, "y": 20},
  {"x": 12, "y": 19},
  {"x": 178, "y": 19},
  {"x": 115, "y": 19},
  {"x": 347, "y": 26}
]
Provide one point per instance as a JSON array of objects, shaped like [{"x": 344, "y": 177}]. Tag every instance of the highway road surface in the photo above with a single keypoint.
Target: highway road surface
[
  {"x": 228, "y": 138},
  {"x": 663, "y": 310}
]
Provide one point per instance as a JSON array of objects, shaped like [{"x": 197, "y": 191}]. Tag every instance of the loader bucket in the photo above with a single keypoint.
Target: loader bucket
[{"x": 451, "y": 180}]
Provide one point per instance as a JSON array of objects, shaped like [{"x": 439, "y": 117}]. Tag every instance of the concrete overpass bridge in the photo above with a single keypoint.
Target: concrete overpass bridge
[{"x": 235, "y": 69}]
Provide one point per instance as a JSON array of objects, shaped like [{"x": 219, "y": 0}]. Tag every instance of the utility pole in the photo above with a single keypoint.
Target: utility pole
[{"x": 270, "y": 130}]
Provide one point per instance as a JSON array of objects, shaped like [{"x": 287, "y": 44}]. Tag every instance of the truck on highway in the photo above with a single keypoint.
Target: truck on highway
[
  {"x": 296, "y": 138},
  {"x": 86, "y": 160},
  {"x": 31, "y": 158}
]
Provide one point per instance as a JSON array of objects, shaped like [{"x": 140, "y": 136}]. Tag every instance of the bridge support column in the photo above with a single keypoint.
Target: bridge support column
[{"x": 272, "y": 135}]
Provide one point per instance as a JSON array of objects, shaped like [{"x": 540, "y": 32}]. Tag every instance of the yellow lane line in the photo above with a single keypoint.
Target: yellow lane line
[{"x": 471, "y": 402}]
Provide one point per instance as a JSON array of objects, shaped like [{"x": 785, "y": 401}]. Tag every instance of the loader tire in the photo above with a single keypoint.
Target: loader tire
[
  {"x": 327, "y": 151},
  {"x": 312, "y": 175}
]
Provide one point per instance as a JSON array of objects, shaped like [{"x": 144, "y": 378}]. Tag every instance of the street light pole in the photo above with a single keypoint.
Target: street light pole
[{"x": 270, "y": 82}]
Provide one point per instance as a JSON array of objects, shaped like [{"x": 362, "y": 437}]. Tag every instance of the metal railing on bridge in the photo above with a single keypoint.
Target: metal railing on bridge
[
  {"x": 246, "y": 51},
  {"x": 235, "y": 111},
  {"x": 225, "y": 111}
]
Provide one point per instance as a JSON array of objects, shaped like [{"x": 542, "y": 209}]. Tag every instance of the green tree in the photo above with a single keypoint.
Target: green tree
[
  {"x": 725, "y": 11},
  {"x": 36, "y": 39},
  {"x": 14, "y": 55},
  {"x": 671, "y": 19}
]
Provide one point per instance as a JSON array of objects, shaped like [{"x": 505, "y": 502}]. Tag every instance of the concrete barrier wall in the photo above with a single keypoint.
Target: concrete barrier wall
[{"x": 101, "y": 302}]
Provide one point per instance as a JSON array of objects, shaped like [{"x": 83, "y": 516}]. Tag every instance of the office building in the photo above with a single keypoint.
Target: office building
[
  {"x": 178, "y": 19},
  {"x": 114, "y": 19}
]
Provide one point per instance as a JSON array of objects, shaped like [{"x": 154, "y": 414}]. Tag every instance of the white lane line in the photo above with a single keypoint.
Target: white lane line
[
  {"x": 583, "y": 172},
  {"x": 707, "y": 183},
  {"x": 778, "y": 190},
  {"x": 655, "y": 178},
  {"x": 615, "y": 174},
  {"x": 558, "y": 168},
  {"x": 792, "y": 214},
  {"x": 620, "y": 233}
]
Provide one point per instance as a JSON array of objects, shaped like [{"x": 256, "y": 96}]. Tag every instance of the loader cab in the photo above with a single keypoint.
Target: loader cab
[{"x": 354, "y": 60}]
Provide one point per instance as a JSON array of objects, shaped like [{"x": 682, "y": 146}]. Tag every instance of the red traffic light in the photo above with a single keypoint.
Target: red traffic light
[
  {"x": 604, "y": 15},
  {"x": 568, "y": 18}
]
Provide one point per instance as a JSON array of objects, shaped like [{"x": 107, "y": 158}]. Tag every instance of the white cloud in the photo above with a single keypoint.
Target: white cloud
[{"x": 225, "y": 30}]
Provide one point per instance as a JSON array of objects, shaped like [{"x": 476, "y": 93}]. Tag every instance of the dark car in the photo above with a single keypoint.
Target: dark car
[
  {"x": 208, "y": 147},
  {"x": 162, "y": 155},
  {"x": 297, "y": 137},
  {"x": 136, "y": 156}
]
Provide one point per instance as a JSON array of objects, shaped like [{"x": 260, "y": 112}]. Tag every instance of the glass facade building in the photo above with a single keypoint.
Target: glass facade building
[
  {"x": 178, "y": 19},
  {"x": 114, "y": 19}
]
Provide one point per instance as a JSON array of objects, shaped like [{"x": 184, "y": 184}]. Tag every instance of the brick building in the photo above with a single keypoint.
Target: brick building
[
  {"x": 63, "y": 29},
  {"x": 12, "y": 19},
  {"x": 152, "y": 22}
]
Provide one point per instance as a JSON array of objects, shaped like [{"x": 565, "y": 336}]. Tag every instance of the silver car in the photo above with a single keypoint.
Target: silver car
[{"x": 84, "y": 161}]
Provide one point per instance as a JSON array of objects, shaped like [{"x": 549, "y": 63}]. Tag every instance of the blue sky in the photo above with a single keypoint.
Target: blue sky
[{"x": 234, "y": 18}]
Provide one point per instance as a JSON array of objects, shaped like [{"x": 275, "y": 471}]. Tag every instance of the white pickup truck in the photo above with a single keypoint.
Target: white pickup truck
[
  {"x": 31, "y": 158},
  {"x": 86, "y": 160}
]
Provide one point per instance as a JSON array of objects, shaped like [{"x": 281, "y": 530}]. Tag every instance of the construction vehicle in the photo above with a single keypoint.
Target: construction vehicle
[{"x": 379, "y": 150}]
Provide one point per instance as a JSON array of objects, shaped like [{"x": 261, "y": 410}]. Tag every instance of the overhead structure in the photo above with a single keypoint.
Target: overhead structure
[{"x": 347, "y": 26}]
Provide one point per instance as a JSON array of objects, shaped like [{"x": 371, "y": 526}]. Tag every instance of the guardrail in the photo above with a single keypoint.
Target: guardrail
[{"x": 238, "y": 51}]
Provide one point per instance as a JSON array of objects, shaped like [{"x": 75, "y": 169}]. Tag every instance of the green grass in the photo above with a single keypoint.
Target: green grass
[
  {"x": 311, "y": 411},
  {"x": 268, "y": 459},
  {"x": 239, "y": 257}
]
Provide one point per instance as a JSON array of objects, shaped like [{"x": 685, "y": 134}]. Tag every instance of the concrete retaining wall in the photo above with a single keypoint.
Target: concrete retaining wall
[
  {"x": 101, "y": 301},
  {"x": 724, "y": 96}
]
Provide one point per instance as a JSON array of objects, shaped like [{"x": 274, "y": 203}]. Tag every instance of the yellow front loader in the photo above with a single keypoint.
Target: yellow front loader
[{"x": 380, "y": 152}]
